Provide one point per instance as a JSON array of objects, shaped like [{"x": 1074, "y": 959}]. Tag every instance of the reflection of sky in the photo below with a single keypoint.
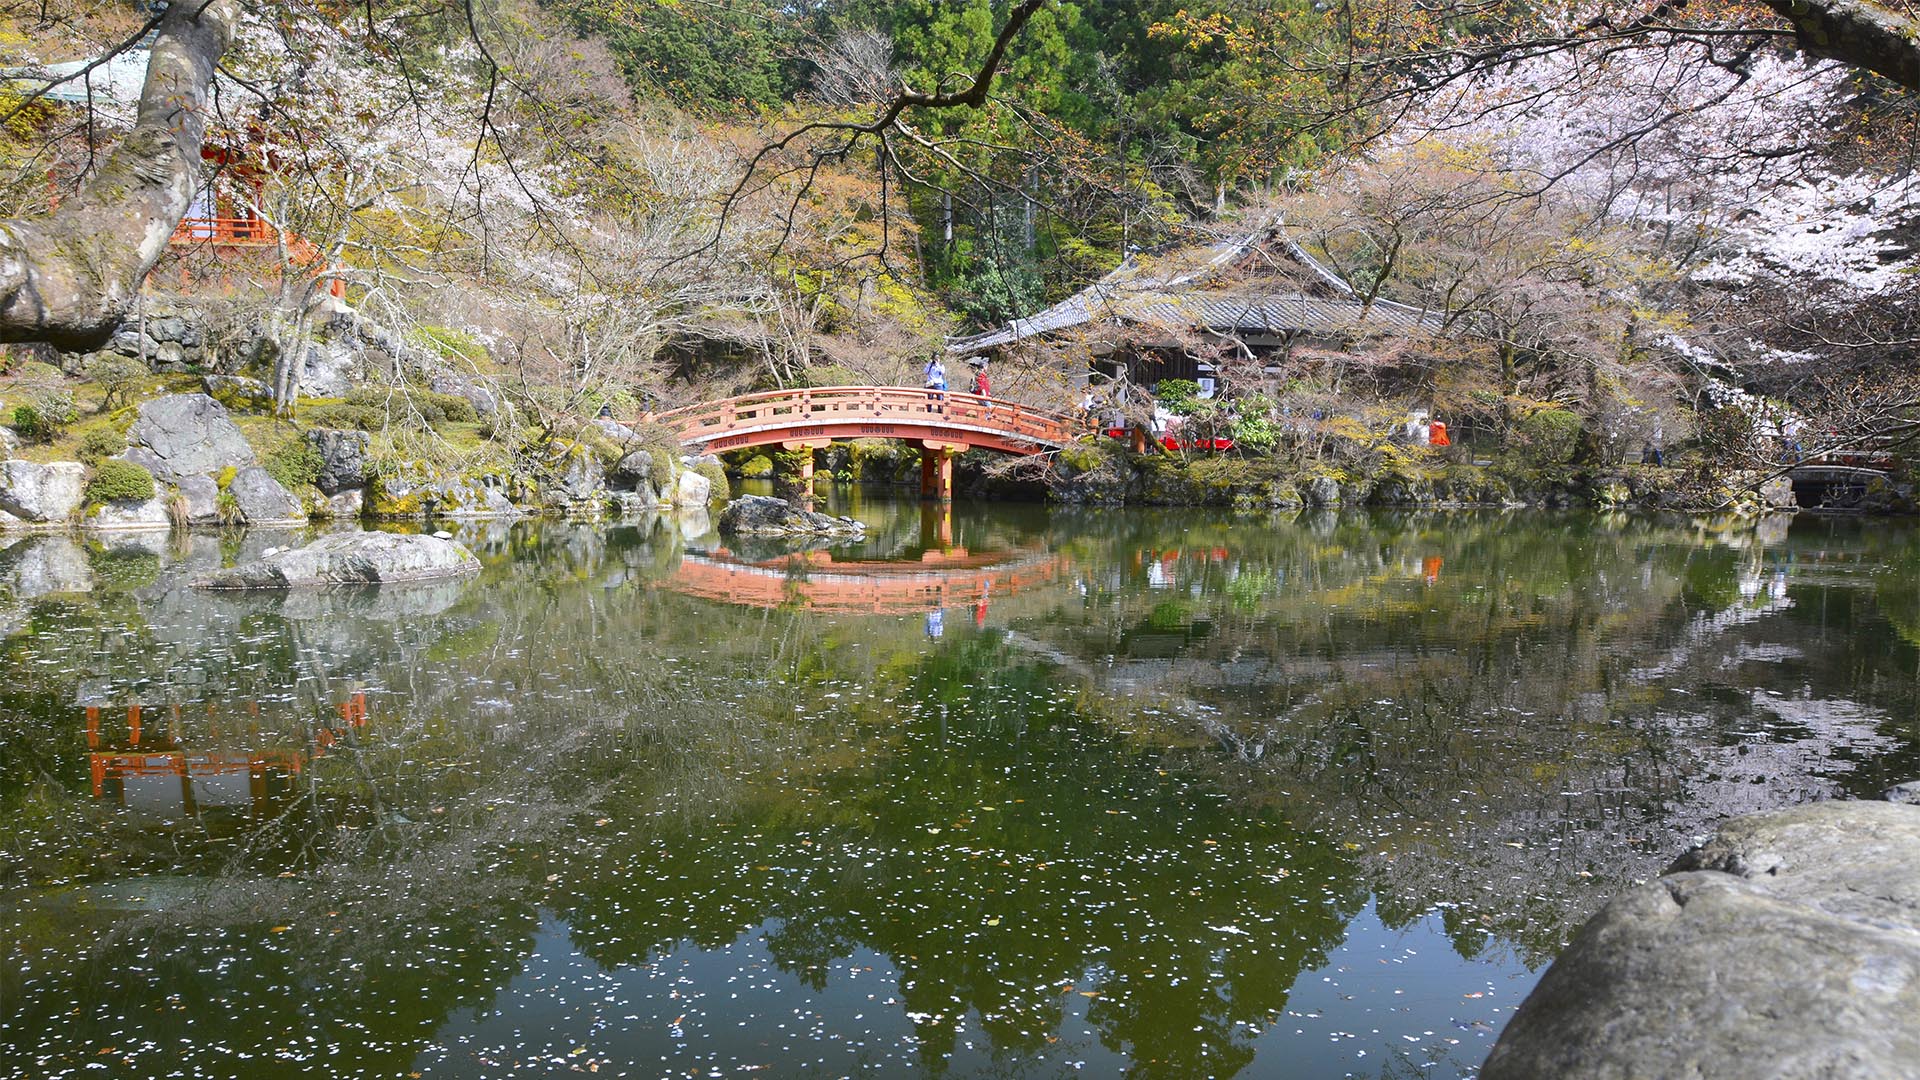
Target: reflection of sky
[{"x": 1384, "y": 996}]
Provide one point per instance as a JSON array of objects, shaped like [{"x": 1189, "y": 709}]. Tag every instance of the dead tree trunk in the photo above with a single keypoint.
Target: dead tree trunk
[{"x": 68, "y": 277}]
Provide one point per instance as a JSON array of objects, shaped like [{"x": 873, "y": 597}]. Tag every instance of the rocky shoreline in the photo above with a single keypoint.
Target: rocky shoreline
[{"x": 184, "y": 462}]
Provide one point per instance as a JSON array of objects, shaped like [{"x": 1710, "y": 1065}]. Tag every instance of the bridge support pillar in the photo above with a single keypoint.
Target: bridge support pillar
[{"x": 936, "y": 471}]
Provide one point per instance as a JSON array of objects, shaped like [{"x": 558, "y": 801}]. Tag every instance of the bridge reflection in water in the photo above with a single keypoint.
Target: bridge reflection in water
[
  {"x": 818, "y": 581},
  {"x": 941, "y": 575}
]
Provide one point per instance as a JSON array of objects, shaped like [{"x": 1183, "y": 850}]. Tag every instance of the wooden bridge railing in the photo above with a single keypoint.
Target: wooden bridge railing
[{"x": 842, "y": 407}]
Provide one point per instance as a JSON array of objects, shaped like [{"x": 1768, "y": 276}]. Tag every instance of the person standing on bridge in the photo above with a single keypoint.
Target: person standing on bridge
[
  {"x": 937, "y": 382},
  {"x": 981, "y": 387}
]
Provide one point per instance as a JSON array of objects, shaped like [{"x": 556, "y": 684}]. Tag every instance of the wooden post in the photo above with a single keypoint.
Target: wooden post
[{"x": 936, "y": 469}]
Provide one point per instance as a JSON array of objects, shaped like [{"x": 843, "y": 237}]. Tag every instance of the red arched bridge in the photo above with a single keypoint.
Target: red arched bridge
[{"x": 941, "y": 422}]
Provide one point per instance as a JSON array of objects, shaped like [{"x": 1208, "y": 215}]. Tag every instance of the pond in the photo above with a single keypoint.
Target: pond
[{"x": 1010, "y": 791}]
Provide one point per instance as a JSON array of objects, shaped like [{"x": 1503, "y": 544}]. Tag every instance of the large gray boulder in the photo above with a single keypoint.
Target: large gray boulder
[
  {"x": 350, "y": 503},
  {"x": 238, "y": 391},
  {"x": 123, "y": 515},
  {"x": 1787, "y": 947},
  {"x": 693, "y": 492},
  {"x": 357, "y": 558},
  {"x": 331, "y": 368},
  {"x": 633, "y": 472},
  {"x": 584, "y": 477},
  {"x": 478, "y": 395},
  {"x": 42, "y": 493},
  {"x": 261, "y": 499},
  {"x": 758, "y": 515},
  {"x": 150, "y": 461},
  {"x": 343, "y": 459},
  {"x": 1322, "y": 491},
  {"x": 614, "y": 429},
  {"x": 202, "y": 497},
  {"x": 420, "y": 490},
  {"x": 191, "y": 434}
]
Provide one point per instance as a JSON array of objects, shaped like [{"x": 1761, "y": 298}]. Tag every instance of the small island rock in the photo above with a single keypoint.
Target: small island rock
[
  {"x": 360, "y": 558},
  {"x": 758, "y": 515}
]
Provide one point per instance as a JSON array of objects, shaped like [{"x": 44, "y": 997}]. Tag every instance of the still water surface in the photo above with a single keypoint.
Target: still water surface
[{"x": 1019, "y": 792}]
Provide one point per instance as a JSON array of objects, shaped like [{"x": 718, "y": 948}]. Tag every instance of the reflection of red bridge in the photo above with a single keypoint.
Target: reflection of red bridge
[
  {"x": 940, "y": 422},
  {"x": 871, "y": 587}
]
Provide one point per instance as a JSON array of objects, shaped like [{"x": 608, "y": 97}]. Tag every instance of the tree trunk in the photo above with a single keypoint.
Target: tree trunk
[
  {"x": 1880, "y": 39},
  {"x": 68, "y": 277}
]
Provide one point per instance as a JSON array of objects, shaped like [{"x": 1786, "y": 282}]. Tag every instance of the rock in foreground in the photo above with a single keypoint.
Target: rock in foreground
[
  {"x": 363, "y": 558},
  {"x": 758, "y": 515},
  {"x": 1788, "y": 947}
]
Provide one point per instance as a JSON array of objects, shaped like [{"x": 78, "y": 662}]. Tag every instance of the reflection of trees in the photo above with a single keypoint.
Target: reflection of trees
[
  {"x": 1001, "y": 852},
  {"x": 1484, "y": 707}
]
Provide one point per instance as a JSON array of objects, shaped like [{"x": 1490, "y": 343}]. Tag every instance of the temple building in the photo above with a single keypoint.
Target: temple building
[{"x": 1245, "y": 305}]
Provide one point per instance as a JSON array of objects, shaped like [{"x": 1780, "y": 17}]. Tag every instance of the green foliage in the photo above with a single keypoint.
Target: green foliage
[
  {"x": 115, "y": 480},
  {"x": 342, "y": 415},
  {"x": 716, "y": 475},
  {"x": 1255, "y": 431},
  {"x": 431, "y": 408},
  {"x": 296, "y": 463},
  {"x": 1177, "y": 396},
  {"x": 990, "y": 291},
  {"x": 757, "y": 465},
  {"x": 31, "y": 426},
  {"x": 1549, "y": 436},
  {"x": 734, "y": 55},
  {"x": 103, "y": 442}
]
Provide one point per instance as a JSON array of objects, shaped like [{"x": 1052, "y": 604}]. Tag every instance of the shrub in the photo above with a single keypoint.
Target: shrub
[
  {"x": 115, "y": 480},
  {"x": 344, "y": 415},
  {"x": 1177, "y": 396},
  {"x": 447, "y": 408},
  {"x": 117, "y": 376},
  {"x": 1550, "y": 436},
  {"x": 432, "y": 408},
  {"x": 1256, "y": 432},
  {"x": 757, "y": 465},
  {"x": 29, "y": 425},
  {"x": 296, "y": 463},
  {"x": 715, "y": 475},
  {"x": 100, "y": 443}
]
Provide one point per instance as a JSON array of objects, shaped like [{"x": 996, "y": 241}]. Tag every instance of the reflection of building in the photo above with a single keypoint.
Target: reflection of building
[{"x": 155, "y": 769}]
